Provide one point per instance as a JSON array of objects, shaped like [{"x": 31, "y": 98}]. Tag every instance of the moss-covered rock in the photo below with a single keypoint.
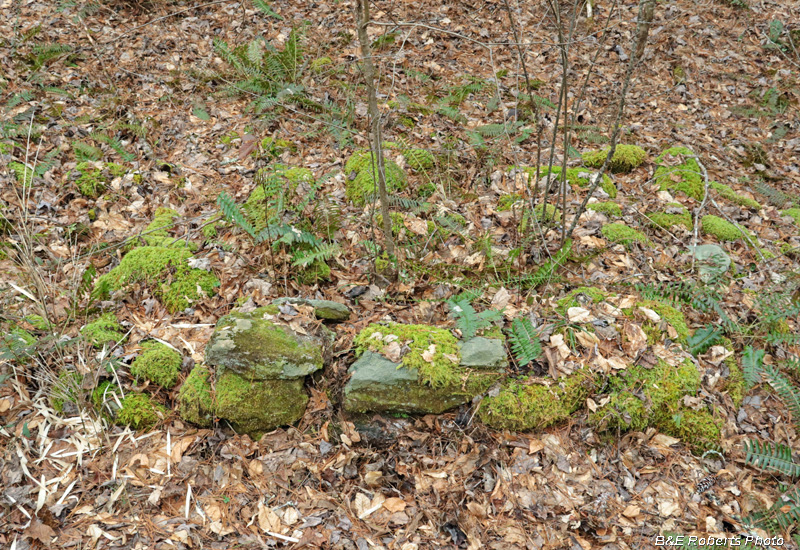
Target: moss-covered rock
[
  {"x": 685, "y": 177},
  {"x": 103, "y": 330},
  {"x": 140, "y": 412},
  {"x": 196, "y": 398},
  {"x": 608, "y": 208},
  {"x": 619, "y": 233},
  {"x": 577, "y": 177},
  {"x": 419, "y": 159},
  {"x": 729, "y": 194},
  {"x": 535, "y": 406},
  {"x": 364, "y": 183},
  {"x": 323, "y": 309},
  {"x": 579, "y": 296},
  {"x": 676, "y": 214},
  {"x": 92, "y": 178},
  {"x": 793, "y": 213},
  {"x": 670, "y": 315},
  {"x": 724, "y": 230},
  {"x": 165, "y": 270},
  {"x": 158, "y": 363},
  {"x": 641, "y": 397},
  {"x": 419, "y": 369},
  {"x": 625, "y": 159}
]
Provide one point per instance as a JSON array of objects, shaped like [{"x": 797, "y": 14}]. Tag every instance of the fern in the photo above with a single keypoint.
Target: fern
[
  {"x": 524, "y": 341},
  {"x": 452, "y": 113},
  {"x": 771, "y": 456},
  {"x": 233, "y": 214},
  {"x": 46, "y": 163},
  {"x": 776, "y": 197},
  {"x": 266, "y": 9},
  {"x": 751, "y": 365},
  {"x": 468, "y": 321},
  {"x": 115, "y": 144},
  {"x": 546, "y": 271},
  {"x": 320, "y": 253},
  {"x": 703, "y": 339},
  {"x": 788, "y": 392},
  {"x": 84, "y": 151}
]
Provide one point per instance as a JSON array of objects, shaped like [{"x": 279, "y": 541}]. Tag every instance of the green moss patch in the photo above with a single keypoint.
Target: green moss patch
[
  {"x": 272, "y": 180},
  {"x": 535, "y": 406},
  {"x": 619, "y": 233},
  {"x": 434, "y": 352},
  {"x": 625, "y": 159},
  {"x": 793, "y": 213},
  {"x": 92, "y": 178},
  {"x": 419, "y": 159},
  {"x": 65, "y": 389},
  {"x": 104, "y": 330},
  {"x": 724, "y": 230},
  {"x": 676, "y": 214},
  {"x": 577, "y": 177},
  {"x": 641, "y": 397},
  {"x": 196, "y": 399},
  {"x": 668, "y": 314},
  {"x": 140, "y": 412},
  {"x": 364, "y": 185},
  {"x": 573, "y": 298},
  {"x": 165, "y": 271},
  {"x": 729, "y": 194},
  {"x": 158, "y": 363},
  {"x": 608, "y": 208},
  {"x": 682, "y": 176}
]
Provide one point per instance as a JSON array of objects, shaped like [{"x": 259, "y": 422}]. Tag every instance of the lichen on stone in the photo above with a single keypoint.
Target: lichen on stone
[
  {"x": 625, "y": 159},
  {"x": 165, "y": 270},
  {"x": 103, "y": 330},
  {"x": 158, "y": 363},
  {"x": 685, "y": 177}
]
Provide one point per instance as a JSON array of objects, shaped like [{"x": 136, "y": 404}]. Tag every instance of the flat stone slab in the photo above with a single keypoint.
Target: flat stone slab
[
  {"x": 483, "y": 353},
  {"x": 326, "y": 310}
]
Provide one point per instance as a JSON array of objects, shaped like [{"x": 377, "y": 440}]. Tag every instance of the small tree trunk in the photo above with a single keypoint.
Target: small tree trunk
[{"x": 362, "y": 20}]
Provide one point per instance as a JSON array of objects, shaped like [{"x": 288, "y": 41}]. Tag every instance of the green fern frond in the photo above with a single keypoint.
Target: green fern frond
[
  {"x": 788, "y": 392},
  {"x": 703, "y": 339},
  {"x": 46, "y": 163},
  {"x": 752, "y": 359},
  {"x": 266, "y": 9},
  {"x": 468, "y": 321},
  {"x": 233, "y": 214},
  {"x": 322, "y": 252},
  {"x": 546, "y": 271},
  {"x": 85, "y": 152},
  {"x": 771, "y": 456},
  {"x": 452, "y": 113},
  {"x": 524, "y": 341},
  {"x": 115, "y": 144}
]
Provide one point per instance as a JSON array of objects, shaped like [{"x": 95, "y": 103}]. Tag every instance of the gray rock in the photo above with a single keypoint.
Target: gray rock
[
  {"x": 712, "y": 260},
  {"x": 483, "y": 353},
  {"x": 323, "y": 309}
]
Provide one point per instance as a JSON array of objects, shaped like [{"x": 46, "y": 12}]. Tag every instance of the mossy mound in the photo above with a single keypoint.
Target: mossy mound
[
  {"x": 641, "y": 397},
  {"x": 92, "y": 178},
  {"x": 419, "y": 159},
  {"x": 270, "y": 182},
  {"x": 158, "y": 363},
  {"x": 668, "y": 314},
  {"x": 103, "y": 330},
  {"x": 365, "y": 184},
  {"x": 65, "y": 389},
  {"x": 196, "y": 398},
  {"x": 140, "y": 412},
  {"x": 619, "y": 233},
  {"x": 724, "y": 230},
  {"x": 676, "y": 214},
  {"x": 579, "y": 177},
  {"x": 793, "y": 213},
  {"x": 685, "y": 177},
  {"x": 579, "y": 297},
  {"x": 625, "y": 159},
  {"x": 729, "y": 194},
  {"x": 38, "y": 322},
  {"x": 535, "y": 406},
  {"x": 165, "y": 271},
  {"x": 608, "y": 208}
]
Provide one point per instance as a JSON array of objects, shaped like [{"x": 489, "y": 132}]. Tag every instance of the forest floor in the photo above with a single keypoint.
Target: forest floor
[{"x": 146, "y": 86}]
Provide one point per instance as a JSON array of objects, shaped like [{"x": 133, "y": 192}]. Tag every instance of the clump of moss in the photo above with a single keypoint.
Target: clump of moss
[
  {"x": 22, "y": 173},
  {"x": 195, "y": 398},
  {"x": 38, "y": 322},
  {"x": 685, "y": 177},
  {"x": 210, "y": 230},
  {"x": 313, "y": 273},
  {"x": 158, "y": 363},
  {"x": 665, "y": 220},
  {"x": 793, "y": 213},
  {"x": 365, "y": 184},
  {"x": 625, "y": 159},
  {"x": 669, "y": 314},
  {"x": 65, "y": 389},
  {"x": 92, "y": 178},
  {"x": 506, "y": 202},
  {"x": 525, "y": 407},
  {"x": 320, "y": 63},
  {"x": 441, "y": 369},
  {"x": 419, "y": 159},
  {"x": 619, "y": 233},
  {"x": 727, "y": 193},
  {"x": 579, "y": 177},
  {"x": 608, "y": 208},
  {"x": 724, "y": 230},
  {"x": 140, "y": 412},
  {"x": 103, "y": 330},
  {"x": 165, "y": 270},
  {"x": 273, "y": 180},
  {"x": 274, "y": 147},
  {"x": 734, "y": 383},
  {"x": 156, "y": 234},
  {"x": 642, "y": 397},
  {"x": 572, "y": 298}
]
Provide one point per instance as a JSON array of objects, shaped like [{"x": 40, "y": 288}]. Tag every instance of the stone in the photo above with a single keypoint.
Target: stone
[
  {"x": 326, "y": 310},
  {"x": 483, "y": 353},
  {"x": 712, "y": 260}
]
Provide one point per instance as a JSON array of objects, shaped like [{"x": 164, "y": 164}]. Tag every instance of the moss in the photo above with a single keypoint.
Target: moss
[
  {"x": 6, "y": 148},
  {"x": 686, "y": 177},
  {"x": 210, "y": 230},
  {"x": 608, "y": 208},
  {"x": 255, "y": 406},
  {"x": 22, "y": 173},
  {"x": 103, "y": 330},
  {"x": 671, "y": 315},
  {"x": 158, "y": 363},
  {"x": 273, "y": 147},
  {"x": 579, "y": 177},
  {"x": 93, "y": 178},
  {"x": 100, "y": 394},
  {"x": 535, "y": 406},
  {"x": 419, "y": 159},
  {"x": 727, "y": 193},
  {"x": 259, "y": 207},
  {"x": 17, "y": 338},
  {"x": 666, "y": 220},
  {"x": 313, "y": 273},
  {"x": 723, "y": 230},
  {"x": 572, "y": 298},
  {"x": 507, "y": 201},
  {"x": 793, "y": 213},
  {"x": 625, "y": 159},
  {"x": 442, "y": 367},
  {"x": 734, "y": 383},
  {"x": 156, "y": 233},
  {"x": 364, "y": 184},
  {"x": 553, "y": 213},
  {"x": 195, "y": 398},
  {"x": 619, "y": 233},
  {"x": 38, "y": 322},
  {"x": 320, "y": 63},
  {"x": 165, "y": 270},
  {"x": 65, "y": 389},
  {"x": 642, "y": 397},
  {"x": 140, "y": 412}
]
